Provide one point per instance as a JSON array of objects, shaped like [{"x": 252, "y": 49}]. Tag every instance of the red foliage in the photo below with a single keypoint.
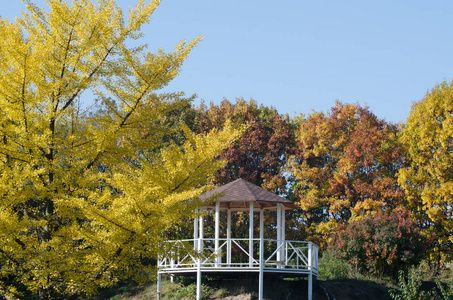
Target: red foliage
[
  {"x": 381, "y": 244},
  {"x": 261, "y": 153}
]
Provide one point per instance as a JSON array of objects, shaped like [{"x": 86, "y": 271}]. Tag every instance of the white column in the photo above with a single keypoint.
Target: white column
[
  {"x": 261, "y": 223},
  {"x": 283, "y": 222},
  {"x": 172, "y": 260},
  {"x": 279, "y": 231},
  {"x": 200, "y": 248},
  {"x": 229, "y": 236},
  {"x": 200, "y": 236},
  {"x": 195, "y": 231},
  {"x": 251, "y": 236},
  {"x": 199, "y": 279},
  {"x": 260, "y": 290},
  {"x": 283, "y": 250},
  {"x": 310, "y": 273},
  {"x": 217, "y": 234},
  {"x": 159, "y": 279}
]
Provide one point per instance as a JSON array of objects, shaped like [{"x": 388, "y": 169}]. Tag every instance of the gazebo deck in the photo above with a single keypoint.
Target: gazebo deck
[{"x": 292, "y": 258}]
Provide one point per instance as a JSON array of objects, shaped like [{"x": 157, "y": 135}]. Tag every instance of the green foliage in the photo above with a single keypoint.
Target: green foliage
[
  {"x": 190, "y": 291},
  {"x": 409, "y": 288},
  {"x": 333, "y": 267},
  {"x": 381, "y": 244},
  {"x": 446, "y": 293}
]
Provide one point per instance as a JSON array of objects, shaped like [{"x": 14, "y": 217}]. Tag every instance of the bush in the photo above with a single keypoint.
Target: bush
[
  {"x": 332, "y": 267},
  {"x": 409, "y": 289},
  {"x": 381, "y": 245},
  {"x": 190, "y": 291},
  {"x": 445, "y": 293}
]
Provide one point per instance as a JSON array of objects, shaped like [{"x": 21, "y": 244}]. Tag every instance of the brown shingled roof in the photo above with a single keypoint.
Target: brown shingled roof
[{"x": 239, "y": 193}]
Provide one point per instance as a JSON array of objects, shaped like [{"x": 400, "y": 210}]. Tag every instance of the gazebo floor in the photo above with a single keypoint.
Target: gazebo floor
[{"x": 223, "y": 270}]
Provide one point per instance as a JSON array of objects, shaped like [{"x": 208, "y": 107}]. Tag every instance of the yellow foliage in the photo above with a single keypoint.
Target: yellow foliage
[
  {"x": 428, "y": 179},
  {"x": 85, "y": 196}
]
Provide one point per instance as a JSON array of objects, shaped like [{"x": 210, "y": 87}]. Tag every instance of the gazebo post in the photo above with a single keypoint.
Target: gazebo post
[
  {"x": 195, "y": 231},
  {"x": 200, "y": 236},
  {"x": 228, "y": 236},
  {"x": 261, "y": 223},
  {"x": 283, "y": 255},
  {"x": 260, "y": 296},
  {"x": 200, "y": 248},
  {"x": 251, "y": 236},
  {"x": 159, "y": 279},
  {"x": 310, "y": 271},
  {"x": 199, "y": 279},
  {"x": 217, "y": 234},
  {"x": 279, "y": 234}
]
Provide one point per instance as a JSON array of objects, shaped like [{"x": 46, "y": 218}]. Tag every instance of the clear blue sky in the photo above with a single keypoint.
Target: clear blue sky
[{"x": 300, "y": 55}]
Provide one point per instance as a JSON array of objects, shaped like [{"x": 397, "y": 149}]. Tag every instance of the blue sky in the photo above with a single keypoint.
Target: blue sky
[{"x": 300, "y": 56}]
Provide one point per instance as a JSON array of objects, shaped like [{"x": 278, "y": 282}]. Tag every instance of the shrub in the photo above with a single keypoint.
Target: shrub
[
  {"x": 381, "y": 244},
  {"x": 190, "y": 291},
  {"x": 446, "y": 293},
  {"x": 410, "y": 289},
  {"x": 332, "y": 267}
]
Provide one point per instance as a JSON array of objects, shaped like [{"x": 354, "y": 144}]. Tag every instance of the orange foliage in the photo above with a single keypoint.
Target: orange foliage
[{"x": 345, "y": 167}]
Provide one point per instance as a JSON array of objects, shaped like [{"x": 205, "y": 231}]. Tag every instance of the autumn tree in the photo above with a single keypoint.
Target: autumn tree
[
  {"x": 259, "y": 156},
  {"x": 428, "y": 178},
  {"x": 85, "y": 196},
  {"x": 261, "y": 153},
  {"x": 345, "y": 168},
  {"x": 381, "y": 244}
]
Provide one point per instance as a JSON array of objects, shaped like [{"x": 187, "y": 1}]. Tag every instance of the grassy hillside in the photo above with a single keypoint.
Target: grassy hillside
[
  {"x": 343, "y": 284},
  {"x": 247, "y": 288}
]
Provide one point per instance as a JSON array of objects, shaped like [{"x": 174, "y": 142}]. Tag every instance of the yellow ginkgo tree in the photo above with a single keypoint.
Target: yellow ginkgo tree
[
  {"x": 428, "y": 176},
  {"x": 86, "y": 194}
]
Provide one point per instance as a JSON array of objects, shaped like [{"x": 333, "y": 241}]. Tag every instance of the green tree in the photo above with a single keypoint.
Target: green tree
[
  {"x": 345, "y": 167},
  {"x": 428, "y": 177},
  {"x": 85, "y": 196}
]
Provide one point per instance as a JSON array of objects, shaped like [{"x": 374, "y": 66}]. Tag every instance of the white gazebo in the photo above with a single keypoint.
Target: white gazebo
[{"x": 222, "y": 254}]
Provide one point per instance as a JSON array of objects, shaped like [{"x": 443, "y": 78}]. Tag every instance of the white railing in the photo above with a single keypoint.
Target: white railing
[{"x": 234, "y": 254}]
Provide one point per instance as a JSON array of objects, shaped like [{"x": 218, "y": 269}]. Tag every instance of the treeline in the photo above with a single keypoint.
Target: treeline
[{"x": 379, "y": 194}]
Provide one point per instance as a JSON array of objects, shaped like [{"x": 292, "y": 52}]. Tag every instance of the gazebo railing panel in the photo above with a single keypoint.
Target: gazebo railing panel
[{"x": 234, "y": 253}]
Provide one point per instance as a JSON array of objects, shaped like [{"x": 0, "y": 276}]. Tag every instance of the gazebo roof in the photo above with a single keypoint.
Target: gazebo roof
[{"x": 239, "y": 193}]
